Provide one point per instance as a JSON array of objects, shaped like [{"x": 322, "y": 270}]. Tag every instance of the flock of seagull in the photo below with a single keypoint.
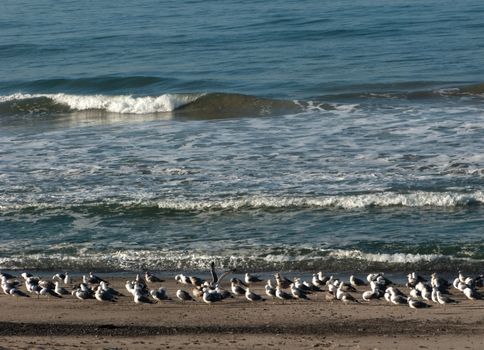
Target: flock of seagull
[{"x": 422, "y": 293}]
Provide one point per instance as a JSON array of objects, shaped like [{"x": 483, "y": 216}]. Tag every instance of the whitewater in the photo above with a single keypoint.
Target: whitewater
[{"x": 334, "y": 136}]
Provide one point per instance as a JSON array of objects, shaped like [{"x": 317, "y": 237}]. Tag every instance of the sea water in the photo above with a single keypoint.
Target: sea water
[{"x": 276, "y": 135}]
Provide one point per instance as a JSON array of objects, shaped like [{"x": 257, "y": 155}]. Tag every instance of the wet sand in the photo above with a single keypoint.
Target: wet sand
[{"x": 48, "y": 323}]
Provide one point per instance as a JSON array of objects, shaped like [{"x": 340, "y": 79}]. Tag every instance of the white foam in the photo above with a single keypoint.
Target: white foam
[
  {"x": 123, "y": 104},
  {"x": 131, "y": 259},
  {"x": 384, "y": 199},
  {"x": 397, "y": 258}
]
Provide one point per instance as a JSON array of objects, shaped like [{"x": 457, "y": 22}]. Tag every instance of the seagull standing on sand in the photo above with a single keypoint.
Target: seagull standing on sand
[
  {"x": 280, "y": 294},
  {"x": 317, "y": 282},
  {"x": 298, "y": 293},
  {"x": 356, "y": 282},
  {"x": 60, "y": 290},
  {"x": 270, "y": 290},
  {"x": 282, "y": 282},
  {"x": 322, "y": 278},
  {"x": 251, "y": 296},
  {"x": 236, "y": 288}
]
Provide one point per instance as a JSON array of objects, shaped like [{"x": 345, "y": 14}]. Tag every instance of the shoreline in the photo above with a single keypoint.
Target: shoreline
[{"x": 68, "y": 322}]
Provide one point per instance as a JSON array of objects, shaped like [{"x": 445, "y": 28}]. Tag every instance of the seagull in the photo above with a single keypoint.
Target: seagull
[
  {"x": 47, "y": 291},
  {"x": 196, "y": 281},
  {"x": 6, "y": 276},
  {"x": 181, "y": 278},
  {"x": 280, "y": 294},
  {"x": 456, "y": 283},
  {"x": 356, "y": 282},
  {"x": 7, "y": 286},
  {"x": 251, "y": 279},
  {"x": 396, "y": 291},
  {"x": 18, "y": 293},
  {"x": 26, "y": 275},
  {"x": 60, "y": 290},
  {"x": 152, "y": 278},
  {"x": 398, "y": 299},
  {"x": 224, "y": 294},
  {"x": 93, "y": 279},
  {"x": 140, "y": 296},
  {"x": 479, "y": 281},
  {"x": 82, "y": 295},
  {"x": 345, "y": 287},
  {"x": 213, "y": 272},
  {"x": 62, "y": 277},
  {"x": 210, "y": 297},
  {"x": 348, "y": 298},
  {"x": 370, "y": 294},
  {"x": 32, "y": 285},
  {"x": 471, "y": 294},
  {"x": 442, "y": 299},
  {"x": 182, "y": 295},
  {"x": 109, "y": 290},
  {"x": 317, "y": 282},
  {"x": 129, "y": 287},
  {"x": 439, "y": 282},
  {"x": 322, "y": 278},
  {"x": 281, "y": 281},
  {"x": 270, "y": 290},
  {"x": 301, "y": 285},
  {"x": 236, "y": 288},
  {"x": 102, "y": 295},
  {"x": 426, "y": 292},
  {"x": 238, "y": 281},
  {"x": 298, "y": 293},
  {"x": 197, "y": 292},
  {"x": 416, "y": 304},
  {"x": 414, "y": 293},
  {"x": 413, "y": 278},
  {"x": 251, "y": 296}
]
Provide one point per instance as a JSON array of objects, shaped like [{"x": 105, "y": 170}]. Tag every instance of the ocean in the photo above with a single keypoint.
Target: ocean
[{"x": 262, "y": 135}]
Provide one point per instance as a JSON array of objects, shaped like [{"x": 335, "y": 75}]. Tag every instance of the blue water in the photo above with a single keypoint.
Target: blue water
[{"x": 264, "y": 135}]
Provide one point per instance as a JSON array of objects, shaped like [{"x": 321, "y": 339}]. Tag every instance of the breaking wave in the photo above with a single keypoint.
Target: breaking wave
[
  {"x": 347, "y": 202},
  {"x": 264, "y": 260},
  {"x": 123, "y": 104},
  {"x": 219, "y": 105}
]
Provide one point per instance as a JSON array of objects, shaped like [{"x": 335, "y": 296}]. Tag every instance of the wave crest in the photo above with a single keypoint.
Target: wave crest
[
  {"x": 123, "y": 104},
  {"x": 265, "y": 260},
  {"x": 416, "y": 199}
]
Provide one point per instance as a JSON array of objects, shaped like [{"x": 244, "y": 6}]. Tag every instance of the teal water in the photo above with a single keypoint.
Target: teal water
[{"x": 317, "y": 135}]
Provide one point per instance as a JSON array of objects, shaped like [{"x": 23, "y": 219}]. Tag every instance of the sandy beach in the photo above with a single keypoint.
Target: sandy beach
[{"x": 68, "y": 323}]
